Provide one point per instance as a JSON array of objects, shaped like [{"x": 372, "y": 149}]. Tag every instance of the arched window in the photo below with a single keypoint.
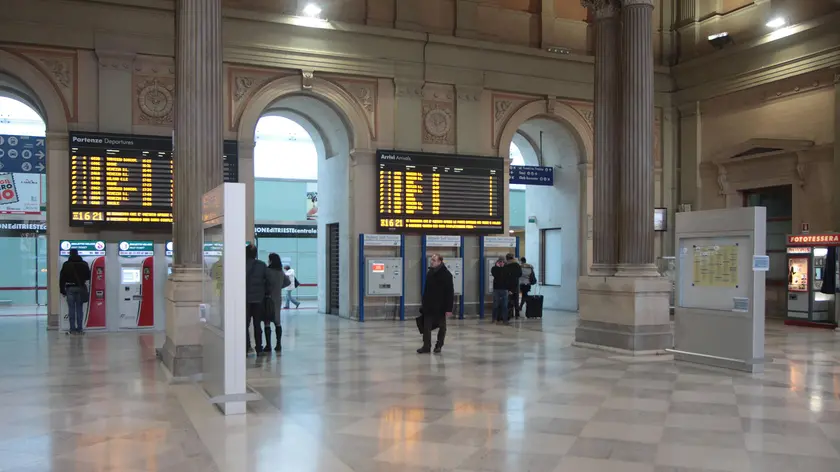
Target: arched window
[
  {"x": 284, "y": 150},
  {"x": 516, "y": 159},
  {"x": 19, "y": 119}
]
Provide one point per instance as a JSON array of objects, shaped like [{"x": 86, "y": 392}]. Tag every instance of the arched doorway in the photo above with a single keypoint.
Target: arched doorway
[
  {"x": 341, "y": 134},
  {"x": 553, "y": 219},
  {"x": 286, "y": 201},
  {"x": 23, "y": 241}
]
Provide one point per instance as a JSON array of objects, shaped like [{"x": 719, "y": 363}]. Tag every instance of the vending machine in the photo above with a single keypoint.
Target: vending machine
[
  {"x": 137, "y": 284},
  {"x": 808, "y": 267},
  {"x": 93, "y": 252}
]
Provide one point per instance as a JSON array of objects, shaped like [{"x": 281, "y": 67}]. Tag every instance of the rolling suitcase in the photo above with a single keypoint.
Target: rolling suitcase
[{"x": 533, "y": 306}]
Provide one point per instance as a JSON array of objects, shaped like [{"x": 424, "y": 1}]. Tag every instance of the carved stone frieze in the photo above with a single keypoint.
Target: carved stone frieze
[
  {"x": 154, "y": 90},
  {"x": 438, "y": 92},
  {"x": 60, "y": 67},
  {"x": 116, "y": 60},
  {"x": 469, "y": 94},
  {"x": 438, "y": 122},
  {"x": 365, "y": 92},
  {"x": 154, "y": 101},
  {"x": 307, "y": 78},
  {"x": 503, "y": 106},
  {"x": 242, "y": 84},
  {"x": 586, "y": 110}
]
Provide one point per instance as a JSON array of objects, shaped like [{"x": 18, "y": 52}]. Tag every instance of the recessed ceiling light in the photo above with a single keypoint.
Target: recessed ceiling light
[
  {"x": 312, "y": 10},
  {"x": 777, "y": 22}
]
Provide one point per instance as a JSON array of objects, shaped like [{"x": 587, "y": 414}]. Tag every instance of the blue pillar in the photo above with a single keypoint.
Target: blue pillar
[
  {"x": 463, "y": 278},
  {"x": 481, "y": 278},
  {"x": 402, "y": 297}
]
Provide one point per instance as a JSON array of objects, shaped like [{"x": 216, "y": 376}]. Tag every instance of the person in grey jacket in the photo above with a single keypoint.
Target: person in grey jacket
[
  {"x": 277, "y": 279},
  {"x": 257, "y": 289}
]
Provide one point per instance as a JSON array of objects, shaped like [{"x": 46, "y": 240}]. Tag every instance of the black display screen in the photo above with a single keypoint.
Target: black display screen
[
  {"x": 439, "y": 193},
  {"x": 125, "y": 180}
]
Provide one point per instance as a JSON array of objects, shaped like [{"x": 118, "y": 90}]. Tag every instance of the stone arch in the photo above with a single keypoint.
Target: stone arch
[
  {"x": 563, "y": 113},
  {"x": 29, "y": 84},
  {"x": 581, "y": 132},
  {"x": 358, "y": 126}
]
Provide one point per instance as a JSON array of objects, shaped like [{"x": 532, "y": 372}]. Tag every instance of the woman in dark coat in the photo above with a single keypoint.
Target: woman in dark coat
[
  {"x": 438, "y": 299},
  {"x": 276, "y": 276}
]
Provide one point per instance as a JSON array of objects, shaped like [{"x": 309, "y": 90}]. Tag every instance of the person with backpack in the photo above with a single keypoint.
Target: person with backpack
[
  {"x": 274, "y": 303},
  {"x": 528, "y": 279},
  {"x": 72, "y": 283},
  {"x": 290, "y": 273}
]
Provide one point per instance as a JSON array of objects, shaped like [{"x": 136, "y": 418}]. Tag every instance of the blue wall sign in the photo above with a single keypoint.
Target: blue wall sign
[
  {"x": 23, "y": 154},
  {"x": 532, "y": 175}
]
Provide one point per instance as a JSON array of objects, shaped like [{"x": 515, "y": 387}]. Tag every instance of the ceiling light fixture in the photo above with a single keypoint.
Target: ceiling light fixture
[
  {"x": 312, "y": 10},
  {"x": 777, "y": 22}
]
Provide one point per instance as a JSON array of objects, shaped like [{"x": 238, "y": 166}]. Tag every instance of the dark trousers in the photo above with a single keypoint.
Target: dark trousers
[
  {"x": 514, "y": 300},
  {"x": 524, "y": 290},
  {"x": 428, "y": 323},
  {"x": 254, "y": 314}
]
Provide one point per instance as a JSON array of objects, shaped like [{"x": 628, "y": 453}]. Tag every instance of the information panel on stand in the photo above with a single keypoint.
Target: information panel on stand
[
  {"x": 127, "y": 180},
  {"x": 427, "y": 193}
]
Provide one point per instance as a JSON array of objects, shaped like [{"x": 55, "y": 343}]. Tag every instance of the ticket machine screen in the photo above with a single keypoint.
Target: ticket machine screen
[{"x": 130, "y": 276}]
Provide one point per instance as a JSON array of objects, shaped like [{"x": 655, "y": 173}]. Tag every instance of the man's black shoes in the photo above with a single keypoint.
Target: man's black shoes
[{"x": 424, "y": 350}]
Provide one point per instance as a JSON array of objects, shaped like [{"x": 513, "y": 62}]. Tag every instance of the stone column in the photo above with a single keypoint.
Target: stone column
[
  {"x": 636, "y": 235},
  {"x": 628, "y": 312},
  {"x": 198, "y": 168},
  {"x": 836, "y": 189},
  {"x": 606, "y": 165}
]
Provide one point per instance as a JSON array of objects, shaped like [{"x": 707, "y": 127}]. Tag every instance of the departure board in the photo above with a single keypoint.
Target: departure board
[
  {"x": 439, "y": 193},
  {"x": 124, "y": 180}
]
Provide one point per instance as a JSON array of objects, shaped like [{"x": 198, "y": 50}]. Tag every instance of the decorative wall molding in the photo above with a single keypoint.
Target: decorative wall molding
[
  {"x": 61, "y": 68},
  {"x": 502, "y": 107},
  {"x": 116, "y": 60},
  {"x": 757, "y": 96},
  {"x": 586, "y": 110},
  {"x": 366, "y": 93},
  {"x": 438, "y": 109},
  {"x": 306, "y": 79},
  {"x": 154, "y": 89},
  {"x": 408, "y": 88},
  {"x": 242, "y": 84},
  {"x": 469, "y": 93}
]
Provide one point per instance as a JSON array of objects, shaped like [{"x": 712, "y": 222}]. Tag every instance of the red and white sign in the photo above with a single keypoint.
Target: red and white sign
[
  {"x": 8, "y": 190},
  {"x": 814, "y": 240}
]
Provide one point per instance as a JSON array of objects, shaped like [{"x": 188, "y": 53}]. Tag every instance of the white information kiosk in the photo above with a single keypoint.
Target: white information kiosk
[
  {"x": 381, "y": 275},
  {"x": 223, "y": 296},
  {"x": 93, "y": 252},
  {"x": 136, "y": 293},
  {"x": 721, "y": 265}
]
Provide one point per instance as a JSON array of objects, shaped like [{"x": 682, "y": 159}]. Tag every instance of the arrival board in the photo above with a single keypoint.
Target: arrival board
[
  {"x": 439, "y": 193},
  {"x": 127, "y": 180}
]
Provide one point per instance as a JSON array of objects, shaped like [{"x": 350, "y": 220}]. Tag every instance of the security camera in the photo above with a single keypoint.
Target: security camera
[{"x": 720, "y": 40}]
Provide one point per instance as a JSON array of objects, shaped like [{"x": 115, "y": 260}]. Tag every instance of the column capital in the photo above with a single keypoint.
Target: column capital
[
  {"x": 633, "y": 3},
  {"x": 602, "y": 9}
]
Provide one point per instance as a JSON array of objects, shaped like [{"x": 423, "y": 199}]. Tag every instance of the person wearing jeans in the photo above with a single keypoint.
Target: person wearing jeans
[
  {"x": 72, "y": 283},
  {"x": 500, "y": 292},
  {"x": 290, "y": 298},
  {"x": 76, "y": 309}
]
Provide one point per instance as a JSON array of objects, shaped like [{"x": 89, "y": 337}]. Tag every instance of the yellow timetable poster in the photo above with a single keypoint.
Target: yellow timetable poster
[{"x": 716, "y": 266}]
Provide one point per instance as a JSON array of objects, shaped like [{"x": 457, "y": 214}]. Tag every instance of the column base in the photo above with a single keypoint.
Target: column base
[
  {"x": 602, "y": 270},
  {"x": 637, "y": 270},
  {"x": 629, "y": 314},
  {"x": 182, "y": 352}
]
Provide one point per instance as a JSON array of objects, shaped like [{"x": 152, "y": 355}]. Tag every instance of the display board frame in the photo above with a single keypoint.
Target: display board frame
[
  {"x": 390, "y": 217},
  {"x": 719, "y": 311},
  {"x": 155, "y": 148}
]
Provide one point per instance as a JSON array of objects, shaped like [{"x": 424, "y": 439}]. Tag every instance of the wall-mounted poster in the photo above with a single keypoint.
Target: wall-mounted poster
[
  {"x": 312, "y": 201},
  {"x": 715, "y": 266},
  {"x": 22, "y": 174}
]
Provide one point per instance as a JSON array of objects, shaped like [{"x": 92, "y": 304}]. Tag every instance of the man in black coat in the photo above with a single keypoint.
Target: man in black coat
[{"x": 438, "y": 299}]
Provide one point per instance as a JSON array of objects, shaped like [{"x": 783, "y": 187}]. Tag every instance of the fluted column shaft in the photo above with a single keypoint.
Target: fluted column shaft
[
  {"x": 606, "y": 165},
  {"x": 636, "y": 234},
  {"x": 198, "y": 158}
]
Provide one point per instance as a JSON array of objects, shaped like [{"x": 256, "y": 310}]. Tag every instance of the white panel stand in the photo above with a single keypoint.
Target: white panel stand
[
  {"x": 223, "y": 336},
  {"x": 719, "y": 312}
]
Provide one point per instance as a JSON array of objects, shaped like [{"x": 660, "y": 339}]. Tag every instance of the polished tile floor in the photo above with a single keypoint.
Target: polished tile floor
[{"x": 346, "y": 397}]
